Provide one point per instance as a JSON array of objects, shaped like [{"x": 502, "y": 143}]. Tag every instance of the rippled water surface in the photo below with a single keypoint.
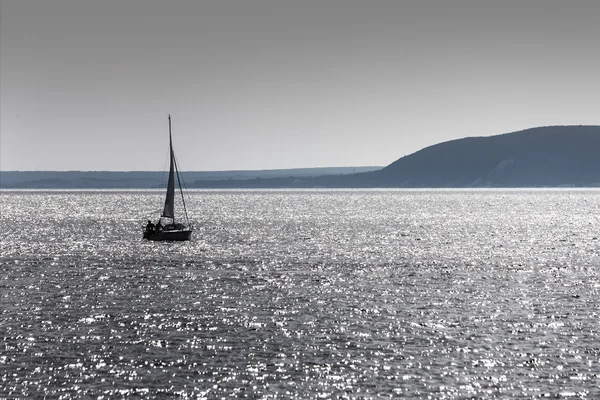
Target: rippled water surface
[{"x": 302, "y": 294}]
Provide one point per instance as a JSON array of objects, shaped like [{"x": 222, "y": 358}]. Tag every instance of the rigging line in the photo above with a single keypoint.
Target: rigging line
[
  {"x": 180, "y": 189},
  {"x": 180, "y": 179},
  {"x": 186, "y": 190},
  {"x": 183, "y": 180}
]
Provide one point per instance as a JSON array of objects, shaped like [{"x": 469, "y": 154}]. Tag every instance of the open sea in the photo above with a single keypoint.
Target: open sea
[{"x": 425, "y": 294}]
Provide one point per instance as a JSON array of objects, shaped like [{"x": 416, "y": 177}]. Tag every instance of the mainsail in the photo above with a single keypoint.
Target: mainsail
[{"x": 169, "y": 210}]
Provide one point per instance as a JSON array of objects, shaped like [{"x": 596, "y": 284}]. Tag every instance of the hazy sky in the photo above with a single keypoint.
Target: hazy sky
[{"x": 252, "y": 84}]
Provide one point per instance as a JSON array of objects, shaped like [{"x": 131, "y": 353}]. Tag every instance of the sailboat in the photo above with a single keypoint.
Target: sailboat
[{"x": 173, "y": 230}]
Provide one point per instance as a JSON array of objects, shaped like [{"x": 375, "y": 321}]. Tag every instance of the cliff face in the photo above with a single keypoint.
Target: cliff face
[{"x": 546, "y": 156}]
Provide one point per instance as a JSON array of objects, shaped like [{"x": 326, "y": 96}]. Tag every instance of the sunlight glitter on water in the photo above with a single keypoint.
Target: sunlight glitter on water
[{"x": 333, "y": 294}]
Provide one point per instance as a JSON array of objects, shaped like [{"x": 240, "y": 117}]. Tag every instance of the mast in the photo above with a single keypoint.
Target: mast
[{"x": 169, "y": 210}]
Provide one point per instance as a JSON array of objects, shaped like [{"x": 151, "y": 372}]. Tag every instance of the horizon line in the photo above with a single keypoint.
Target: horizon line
[{"x": 215, "y": 170}]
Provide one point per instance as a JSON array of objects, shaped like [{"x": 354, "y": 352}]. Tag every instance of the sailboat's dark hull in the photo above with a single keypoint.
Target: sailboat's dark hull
[{"x": 173, "y": 236}]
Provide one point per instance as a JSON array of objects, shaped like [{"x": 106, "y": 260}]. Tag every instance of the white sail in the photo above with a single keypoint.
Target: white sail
[{"x": 169, "y": 210}]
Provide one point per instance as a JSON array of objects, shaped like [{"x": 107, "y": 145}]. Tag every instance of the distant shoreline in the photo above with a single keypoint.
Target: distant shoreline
[
  {"x": 542, "y": 157},
  {"x": 154, "y": 179}
]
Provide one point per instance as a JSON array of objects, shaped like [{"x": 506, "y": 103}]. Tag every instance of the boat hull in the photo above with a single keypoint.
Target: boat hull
[{"x": 172, "y": 236}]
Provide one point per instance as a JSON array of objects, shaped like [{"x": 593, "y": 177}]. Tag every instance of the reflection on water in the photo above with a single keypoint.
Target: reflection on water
[{"x": 331, "y": 294}]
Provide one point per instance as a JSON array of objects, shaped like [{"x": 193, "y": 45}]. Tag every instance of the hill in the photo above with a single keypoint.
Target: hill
[{"x": 538, "y": 157}]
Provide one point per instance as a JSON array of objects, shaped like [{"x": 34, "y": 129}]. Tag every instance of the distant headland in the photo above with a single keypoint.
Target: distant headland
[{"x": 552, "y": 156}]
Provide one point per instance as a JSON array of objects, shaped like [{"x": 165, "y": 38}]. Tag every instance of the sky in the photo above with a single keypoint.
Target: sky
[{"x": 269, "y": 84}]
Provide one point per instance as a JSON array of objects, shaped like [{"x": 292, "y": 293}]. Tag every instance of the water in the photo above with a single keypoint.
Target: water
[{"x": 302, "y": 294}]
